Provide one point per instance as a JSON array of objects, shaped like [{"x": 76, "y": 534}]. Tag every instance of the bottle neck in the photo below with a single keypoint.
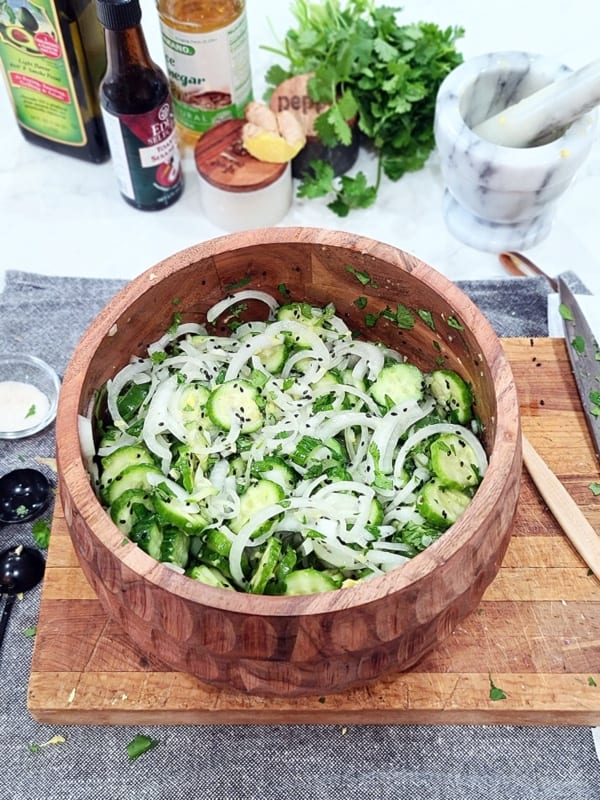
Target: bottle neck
[{"x": 125, "y": 49}]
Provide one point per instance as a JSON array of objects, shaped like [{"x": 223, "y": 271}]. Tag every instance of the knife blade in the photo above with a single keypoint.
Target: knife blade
[{"x": 584, "y": 356}]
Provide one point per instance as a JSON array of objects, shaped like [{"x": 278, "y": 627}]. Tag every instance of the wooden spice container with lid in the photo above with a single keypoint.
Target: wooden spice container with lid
[
  {"x": 238, "y": 191},
  {"x": 292, "y": 95}
]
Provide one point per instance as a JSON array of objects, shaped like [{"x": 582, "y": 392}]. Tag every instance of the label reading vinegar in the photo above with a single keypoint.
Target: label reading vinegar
[
  {"x": 32, "y": 52},
  {"x": 209, "y": 74}
]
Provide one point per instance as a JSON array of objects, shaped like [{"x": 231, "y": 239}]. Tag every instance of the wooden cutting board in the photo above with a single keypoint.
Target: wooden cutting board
[{"x": 536, "y": 635}]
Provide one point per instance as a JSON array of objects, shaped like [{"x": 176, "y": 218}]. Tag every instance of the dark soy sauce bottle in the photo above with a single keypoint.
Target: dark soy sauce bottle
[{"x": 137, "y": 112}]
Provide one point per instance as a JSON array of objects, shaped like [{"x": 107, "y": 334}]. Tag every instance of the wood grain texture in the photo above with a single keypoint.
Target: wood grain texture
[
  {"x": 311, "y": 644},
  {"x": 536, "y": 631}
]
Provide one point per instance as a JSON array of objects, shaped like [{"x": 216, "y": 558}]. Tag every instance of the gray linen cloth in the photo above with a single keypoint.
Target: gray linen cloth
[{"x": 46, "y": 317}]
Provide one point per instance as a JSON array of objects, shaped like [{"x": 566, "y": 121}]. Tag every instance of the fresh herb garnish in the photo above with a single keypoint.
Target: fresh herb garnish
[
  {"x": 591, "y": 681},
  {"x": 283, "y": 290},
  {"x": 578, "y": 344},
  {"x": 402, "y": 317},
  {"x": 495, "y": 692},
  {"x": 41, "y": 533},
  {"x": 230, "y": 287},
  {"x": 594, "y": 488},
  {"x": 175, "y": 323},
  {"x": 366, "y": 66},
  {"x": 30, "y": 632},
  {"x": 361, "y": 277},
  {"x": 454, "y": 323},
  {"x": 427, "y": 318},
  {"x": 140, "y": 744},
  {"x": 31, "y": 411},
  {"x": 158, "y": 356},
  {"x": 21, "y": 511},
  {"x": 565, "y": 312},
  {"x": 360, "y": 302}
]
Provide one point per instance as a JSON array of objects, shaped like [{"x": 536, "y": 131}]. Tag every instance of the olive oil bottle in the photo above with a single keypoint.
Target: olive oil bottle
[
  {"x": 208, "y": 61},
  {"x": 137, "y": 112},
  {"x": 52, "y": 56}
]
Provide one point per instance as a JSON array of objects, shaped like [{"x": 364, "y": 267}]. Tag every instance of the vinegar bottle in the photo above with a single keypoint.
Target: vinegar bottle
[
  {"x": 52, "y": 55},
  {"x": 208, "y": 61},
  {"x": 137, "y": 112}
]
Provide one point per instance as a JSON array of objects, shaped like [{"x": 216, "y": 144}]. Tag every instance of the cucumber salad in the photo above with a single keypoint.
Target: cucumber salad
[{"x": 288, "y": 457}]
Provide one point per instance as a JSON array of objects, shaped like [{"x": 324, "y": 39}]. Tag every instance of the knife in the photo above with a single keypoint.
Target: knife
[{"x": 584, "y": 356}]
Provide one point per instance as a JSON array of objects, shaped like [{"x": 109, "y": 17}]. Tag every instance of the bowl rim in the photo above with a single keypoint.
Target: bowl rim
[
  {"x": 505, "y": 452},
  {"x": 20, "y": 359}
]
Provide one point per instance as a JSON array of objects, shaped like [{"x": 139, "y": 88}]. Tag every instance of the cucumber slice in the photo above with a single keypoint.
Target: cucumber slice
[
  {"x": 272, "y": 356},
  {"x": 174, "y": 511},
  {"x": 209, "y": 575},
  {"x": 275, "y": 469},
  {"x": 216, "y": 542},
  {"x": 131, "y": 399},
  {"x": 453, "y": 461},
  {"x": 308, "y": 581},
  {"x": 259, "y": 495},
  {"x": 119, "y": 460},
  {"x": 133, "y": 477},
  {"x": 125, "y": 511},
  {"x": 235, "y": 400},
  {"x": 397, "y": 383},
  {"x": 265, "y": 569},
  {"x": 441, "y": 505},
  {"x": 193, "y": 402},
  {"x": 453, "y": 394},
  {"x": 175, "y": 547},
  {"x": 148, "y": 536}
]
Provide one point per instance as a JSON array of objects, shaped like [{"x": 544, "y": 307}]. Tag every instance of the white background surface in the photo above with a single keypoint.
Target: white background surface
[{"x": 65, "y": 217}]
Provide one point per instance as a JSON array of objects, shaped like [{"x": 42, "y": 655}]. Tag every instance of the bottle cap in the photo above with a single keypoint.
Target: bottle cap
[{"x": 118, "y": 15}]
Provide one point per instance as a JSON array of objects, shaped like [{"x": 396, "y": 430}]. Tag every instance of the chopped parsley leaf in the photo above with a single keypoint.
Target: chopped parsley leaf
[
  {"x": 594, "y": 488},
  {"x": 565, "y": 312},
  {"x": 140, "y": 744},
  {"x": 31, "y": 411},
  {"x": 578, "y": 344},
  {"x": 176, "y": 322},
  {"x": 360, "y": 302},
  {"x": 427, "y": 318},
  {"x": 41, "y": 533},
  {"x": 30, "y": 632},
  {"x": 591, "y": 681},
  {"x": 158, "y": 357},
  {"x": 283, "y": 290},
  {"x": 362, "y": 277},
  {"x": 454, "y": 323},
  {"x": 495, "y": 692},
  {"x": 238, "y": 284}
]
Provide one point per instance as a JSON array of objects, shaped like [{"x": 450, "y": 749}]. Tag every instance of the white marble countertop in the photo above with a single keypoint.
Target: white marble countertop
[{"x": 59, "y": 216}]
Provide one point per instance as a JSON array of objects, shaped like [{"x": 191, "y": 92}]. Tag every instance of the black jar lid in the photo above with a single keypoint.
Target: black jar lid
[{"x": 118, "y": 15}]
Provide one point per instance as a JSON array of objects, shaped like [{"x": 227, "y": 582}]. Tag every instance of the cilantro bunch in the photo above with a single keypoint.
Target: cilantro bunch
[{"x": 367, "y": 66}]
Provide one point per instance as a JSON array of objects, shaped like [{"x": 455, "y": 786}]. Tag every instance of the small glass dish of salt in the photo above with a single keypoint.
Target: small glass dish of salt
[{"x": 29, "y": 391}]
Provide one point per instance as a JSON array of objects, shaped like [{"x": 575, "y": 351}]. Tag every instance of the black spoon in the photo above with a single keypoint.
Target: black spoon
[
  {"x": 24, "y": 495},
  {"x": 21, "y": 568}
]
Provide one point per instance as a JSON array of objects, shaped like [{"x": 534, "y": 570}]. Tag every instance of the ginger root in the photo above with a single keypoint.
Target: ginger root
[{"x": 272, "y": 137}]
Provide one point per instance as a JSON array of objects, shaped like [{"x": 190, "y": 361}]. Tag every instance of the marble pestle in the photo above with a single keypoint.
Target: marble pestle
[{"x": 545, "y": 114}]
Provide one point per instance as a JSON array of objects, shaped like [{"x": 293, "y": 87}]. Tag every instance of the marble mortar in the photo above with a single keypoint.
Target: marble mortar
[{"x": 496, "y": 197}]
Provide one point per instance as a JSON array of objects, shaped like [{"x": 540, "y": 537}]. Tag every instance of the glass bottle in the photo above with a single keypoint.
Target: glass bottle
[
  {"x": 208, "y": 62},
  {"x": 137, "y": 111},
  {"x": 52, "y": 54}
]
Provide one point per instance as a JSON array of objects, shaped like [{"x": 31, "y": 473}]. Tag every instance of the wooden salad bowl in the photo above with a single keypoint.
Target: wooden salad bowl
[{"x": 319, "y": 643}]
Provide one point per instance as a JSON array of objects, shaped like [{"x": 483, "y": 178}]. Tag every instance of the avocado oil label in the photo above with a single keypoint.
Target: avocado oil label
[
  {"x": 209, "y": 73},
  {"x": 145, "y": 156},
  {"x": 33, "y": 56}
]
